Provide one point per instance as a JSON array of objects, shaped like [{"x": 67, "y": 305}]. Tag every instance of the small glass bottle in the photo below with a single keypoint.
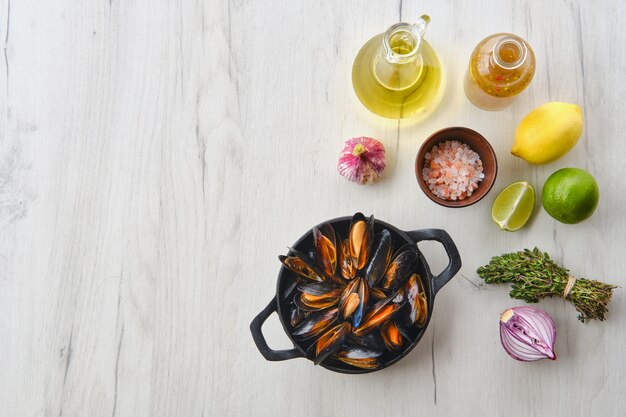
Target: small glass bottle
[
  {"x": 397, "y": 74},
  {"x": 501, "y": 67}
]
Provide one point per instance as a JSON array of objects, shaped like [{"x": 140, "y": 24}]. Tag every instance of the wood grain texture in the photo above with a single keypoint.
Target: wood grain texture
[{"x": 156, "y": 156}]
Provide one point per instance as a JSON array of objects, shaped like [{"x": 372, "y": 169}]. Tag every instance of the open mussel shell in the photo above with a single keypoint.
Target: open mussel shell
[
  {"x": 360, "y": 238},
  {"x": 400, "y": 268},
  {"x": 377, "y": 315},
  {"x": 347, "y": 268},
  {"x": 311, "y": 302},
  {"x": 315, "y": 257},
  {"x": 360, "y": 357},
  {"x": 381, "y": 255},
  {"x": 331, "y": 341},
  {"x": 377, "y": 293},
  {"x": 391, "y": 335},
  {"x": 317, "y": 288},
  {"x": 302, "y": 265},
  {"x": 316, "y": 323},
  {"x": 370, "y": 341},
  {"x": 325, "y": 244},
  {"x": 353, "y": 301},
  {"x": 417, "y": 304},
  {"x": 295, "y": 315}
]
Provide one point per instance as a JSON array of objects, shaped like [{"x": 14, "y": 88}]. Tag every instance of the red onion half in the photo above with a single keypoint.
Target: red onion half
[{"x": 527, "y": 333}]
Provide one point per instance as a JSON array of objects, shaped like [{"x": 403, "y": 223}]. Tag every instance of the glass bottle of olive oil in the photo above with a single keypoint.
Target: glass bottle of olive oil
[
  {"x": 501, "y": 67},
  {"x": 397, "y": 74}
]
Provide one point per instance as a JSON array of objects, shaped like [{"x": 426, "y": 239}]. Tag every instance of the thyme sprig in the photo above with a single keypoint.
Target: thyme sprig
[{"x": 534, "y": 276}]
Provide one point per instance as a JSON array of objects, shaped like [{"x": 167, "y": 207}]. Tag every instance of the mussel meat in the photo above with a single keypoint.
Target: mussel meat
[
  {"x": 311, "y": 302},
  {"x": 302, "y": 265},
  {"x": 391, "y": 335},
  {"x": 295, "y": 315},
  {"x": 377, "y": 293},
  {"x": 353, "y": 301},
  {"x": 316, "y": 323},
  {"x": 360, "y": 239},
  {"x": 400, "y": 268},
  {"x": 329, "y": 342},
  {"x": 325, "y": 244},
  {"x": 381, "y": 255},
  {"x": 346, "y": 265},
  {"x": 417, "y": 302},
  {"x": 317, "y": 288},
  {"x": 359, "y": 357},
  {"x": 377, "y": 315}
]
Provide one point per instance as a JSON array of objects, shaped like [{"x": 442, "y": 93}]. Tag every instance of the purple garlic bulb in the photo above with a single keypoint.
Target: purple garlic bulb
[{"x": 362, "y": 160}]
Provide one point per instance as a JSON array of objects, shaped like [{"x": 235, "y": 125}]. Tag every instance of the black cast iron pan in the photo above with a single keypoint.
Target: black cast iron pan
[{"x": 432, "y": 285}]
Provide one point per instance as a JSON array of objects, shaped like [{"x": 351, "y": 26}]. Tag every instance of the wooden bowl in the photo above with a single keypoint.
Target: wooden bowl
[{"x": 474, "y": 140}]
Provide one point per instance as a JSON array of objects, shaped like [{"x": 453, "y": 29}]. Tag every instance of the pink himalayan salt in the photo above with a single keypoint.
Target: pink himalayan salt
[{"x": 452, "y": 170}]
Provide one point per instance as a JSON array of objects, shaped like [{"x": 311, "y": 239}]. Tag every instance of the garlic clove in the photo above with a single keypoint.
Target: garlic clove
[{"x": 362, "y": 160}]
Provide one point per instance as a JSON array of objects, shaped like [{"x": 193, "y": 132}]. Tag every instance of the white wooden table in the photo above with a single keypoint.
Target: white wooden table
[{"x": 156, "y": 157}]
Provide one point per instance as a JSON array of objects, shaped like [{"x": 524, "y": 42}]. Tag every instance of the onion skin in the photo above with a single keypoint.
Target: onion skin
[
  {"x": 527, "y": 333},
  {"x": 362, "y": 160}
]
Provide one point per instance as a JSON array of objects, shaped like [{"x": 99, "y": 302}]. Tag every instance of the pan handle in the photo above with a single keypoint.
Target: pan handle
[
  {"x": 454, "y": 263},
  {"x": 257, "y": 334}
]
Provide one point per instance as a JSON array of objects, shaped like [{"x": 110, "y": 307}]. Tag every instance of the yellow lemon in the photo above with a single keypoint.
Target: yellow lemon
[{"x": 548, "y": 132}]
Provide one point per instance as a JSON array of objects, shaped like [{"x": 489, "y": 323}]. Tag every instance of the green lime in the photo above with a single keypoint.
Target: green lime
[
  {"x": 513, "y": 206},
  {"x": 570, "y": 195}
]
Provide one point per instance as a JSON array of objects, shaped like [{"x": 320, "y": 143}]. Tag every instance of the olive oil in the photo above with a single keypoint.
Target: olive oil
[{"x": 397, "y": 74}]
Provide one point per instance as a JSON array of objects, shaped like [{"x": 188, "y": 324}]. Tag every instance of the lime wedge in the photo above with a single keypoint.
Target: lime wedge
[{"x": 513, "y": 206}]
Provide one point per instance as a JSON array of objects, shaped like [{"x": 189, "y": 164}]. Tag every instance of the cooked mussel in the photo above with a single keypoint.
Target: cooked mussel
[
  {"x": 295, "y": 315},
  {"x": 381, "y": 255},
  {"x": 391, "y": 335},
  {"x": 377, "y": 315},
  {"x": 370, "y": 341},
  {"x": 317, "y": 288},
  {"x": 346, "y": 264},
  {"x": 353, "y": 301},
  {"x": 359, "y": 357},
  {"x": 312, "y": 302},
  {"x": 329, "y": 342},
  {"x": 302, "y": 265},
  {"x": 316, "y": 323},
  {"x": 360, "y": 239},
  {"x": 377, "y": 293},
  {"x": 417, "y": 303},
  {"x": 325, "y": 244},
  {"x": 400, "y": 268}
]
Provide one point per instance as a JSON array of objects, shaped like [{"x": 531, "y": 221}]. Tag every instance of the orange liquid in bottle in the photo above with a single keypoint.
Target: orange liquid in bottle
[{"x": 501, "y": 66}]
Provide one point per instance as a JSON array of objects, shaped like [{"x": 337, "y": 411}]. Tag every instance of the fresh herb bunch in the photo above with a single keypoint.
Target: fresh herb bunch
[{"x": 534, "y": 275}]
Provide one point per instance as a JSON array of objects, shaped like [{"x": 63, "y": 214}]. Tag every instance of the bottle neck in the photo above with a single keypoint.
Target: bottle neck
[
  {"x": 402, "y": 43},
  {"x": 509, "y": 54}
]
